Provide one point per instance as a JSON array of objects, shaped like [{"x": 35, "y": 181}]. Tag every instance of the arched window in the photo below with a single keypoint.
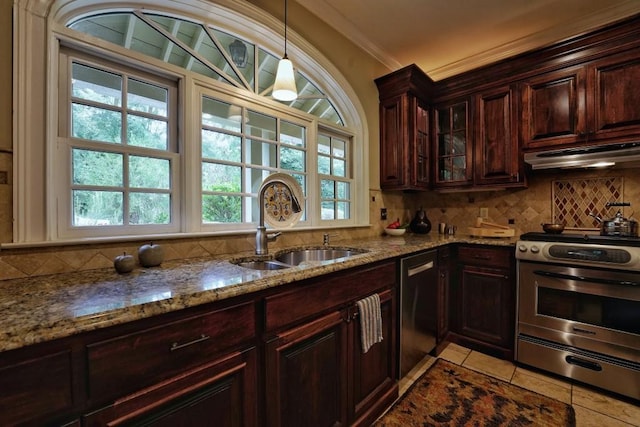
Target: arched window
[{"x": 165, "y": 124}]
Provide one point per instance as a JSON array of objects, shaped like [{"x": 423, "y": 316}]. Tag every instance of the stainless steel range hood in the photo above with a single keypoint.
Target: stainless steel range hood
[{"x": 612, "y": 155}]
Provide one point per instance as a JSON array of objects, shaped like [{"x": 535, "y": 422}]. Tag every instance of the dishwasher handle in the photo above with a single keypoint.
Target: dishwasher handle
[{"x": 419, "y": 269}]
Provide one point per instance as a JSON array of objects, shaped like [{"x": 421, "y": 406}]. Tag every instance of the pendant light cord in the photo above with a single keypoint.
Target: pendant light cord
[{"x": 285, "y": 29}]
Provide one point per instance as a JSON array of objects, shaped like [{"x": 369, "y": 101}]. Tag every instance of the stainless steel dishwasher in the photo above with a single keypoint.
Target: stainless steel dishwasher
[{"x": 418, "y": 308}]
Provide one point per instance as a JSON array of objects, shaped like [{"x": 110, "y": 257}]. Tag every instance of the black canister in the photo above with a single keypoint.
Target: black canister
[{"x": 420, "y": 224}]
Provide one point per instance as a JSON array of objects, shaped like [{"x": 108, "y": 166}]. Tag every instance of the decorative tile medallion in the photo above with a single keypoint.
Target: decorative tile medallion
[{"x": 573, "y": 200}]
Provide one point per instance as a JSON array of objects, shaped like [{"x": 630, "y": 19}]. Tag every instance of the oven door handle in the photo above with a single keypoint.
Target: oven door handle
[{"x": 585, "y": 279}]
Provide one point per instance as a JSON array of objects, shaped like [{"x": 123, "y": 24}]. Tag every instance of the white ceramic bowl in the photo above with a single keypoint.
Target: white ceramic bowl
[{"x": 395, "y": 231}]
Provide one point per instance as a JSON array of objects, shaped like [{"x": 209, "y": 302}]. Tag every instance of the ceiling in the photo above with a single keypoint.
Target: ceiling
[{"x": 447, "y": 37}]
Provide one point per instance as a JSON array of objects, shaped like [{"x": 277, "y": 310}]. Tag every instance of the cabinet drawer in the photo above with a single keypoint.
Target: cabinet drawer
[
  {"x": 314, "y": 297},
  {"x": 35, "y": 388},
  {"x": 487, "y": 257},
  {"x": 120, "y": 365}
]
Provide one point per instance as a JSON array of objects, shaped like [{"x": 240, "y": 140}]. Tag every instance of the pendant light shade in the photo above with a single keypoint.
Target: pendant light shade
[{"x": 284, "y": 87}]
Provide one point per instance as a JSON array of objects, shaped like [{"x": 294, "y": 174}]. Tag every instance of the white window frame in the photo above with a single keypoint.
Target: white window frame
[
  {"x": 66, "y": 143},
  {"x": 39, "y": 28}
]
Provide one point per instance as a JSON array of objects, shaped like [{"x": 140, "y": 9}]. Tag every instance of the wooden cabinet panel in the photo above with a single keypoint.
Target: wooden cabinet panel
[
  {"x": 554, "y": 108},
  {"x": 444, "y": 283},
  {"x": 374, "y": 372},
  {"x": 35, "y": 388},
  {"x": 616, "y": 89},
  {"x": 486, "y": 310},
  {"x": 326, "y": 293},
  {"x": 497, "y": 152},
  {"x": 131, "y": 362},
  {"x": 405, "y": 153},
  {"x": 483, "y": 301},
  {"x": 220, "y": 393},
  {"x": 393, "y": 134},
  {"x": 306, "y": 374},
  {"x": 316, "y": 373}
]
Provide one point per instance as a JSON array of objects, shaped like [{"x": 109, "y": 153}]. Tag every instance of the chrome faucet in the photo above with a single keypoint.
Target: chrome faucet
[{"x": 262, "y": 237}]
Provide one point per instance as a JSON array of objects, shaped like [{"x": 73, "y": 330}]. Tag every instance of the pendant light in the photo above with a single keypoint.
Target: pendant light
[{"x": 284, "y": 88}]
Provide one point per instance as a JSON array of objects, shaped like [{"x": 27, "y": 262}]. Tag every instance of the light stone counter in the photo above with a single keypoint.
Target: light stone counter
[{"x": 45, "y": 308}]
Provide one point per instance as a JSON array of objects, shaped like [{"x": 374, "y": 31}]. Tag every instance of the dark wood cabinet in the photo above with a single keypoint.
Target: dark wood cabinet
[
  {"x": 444, "y": 286},
  {"x": 453, "y": 149},
  {"x": 219, "y": 393},
  {"x": 35, "y": 385},
  {"x": 588, "y": 104},
  {"x": 497, "y": 160},
  {"x": 554, "y": 109},
  {"x": 405, "y": 153},
  {"x": 484, "y": 298},
  {"x": 316, "y": 373}
]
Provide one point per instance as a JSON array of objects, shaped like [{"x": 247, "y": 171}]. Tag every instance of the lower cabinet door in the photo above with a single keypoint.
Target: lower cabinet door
[
  {"x": 306, "y": 374},
  {"x": 374, "y": 372},
  {"x": 223, "y": 393},
  {"x": 487, "y": 305}
]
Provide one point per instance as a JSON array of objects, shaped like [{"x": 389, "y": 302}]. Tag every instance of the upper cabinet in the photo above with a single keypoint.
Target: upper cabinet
[
  {"x": 580, "y": 91},
  {"x": 453, "y": 154},
  {"x": 590, "y": 103},
  {"x": 405, "y": 162},
  {"x": 497, "y": 151}
]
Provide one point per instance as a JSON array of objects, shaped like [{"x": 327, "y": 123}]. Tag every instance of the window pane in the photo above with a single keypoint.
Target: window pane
[
  {"x": 149, "y": 208},
  {"x": 148, "y": 172},
  {"x": 148, "y": 98},
  {"x": 328, "y": 210},
  {"x": 148, "y": 133},
  {"x": 261, "y": 126},
  {"x": 292, "y": 134},
  {"x": 220, "y": 146},
  {"x": 342, "y": 190},
  {"x": 221, "y": 208},
  {"x": 223, "y": 178},
  {"x": 96, "y": 85},
  {"x": 339, "y": 167},
  {"x": 324, "y": 144},
  {"x": 261, "y": 153},
  {"x": 221, "y": 115},
  {"x": 255, "y": 178},
  {"x": 327, "y": 190},
  {"x": 96, "y": 208},
  {"x": 338, "y": 148},
  {"x": 324, "y": 165},
  {"x": 292, "y": 159},
  {"x": 343, "y": 210},
  {"x": 97, "y": 168},
  {"x": 96, "y": 124}
]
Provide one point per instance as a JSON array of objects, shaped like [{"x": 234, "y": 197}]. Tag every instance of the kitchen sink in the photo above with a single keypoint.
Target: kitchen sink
[
  {"x": 299, "y": 256},
  {"x": 264, "y": 265},
  {"x": 295, "y": 257}
]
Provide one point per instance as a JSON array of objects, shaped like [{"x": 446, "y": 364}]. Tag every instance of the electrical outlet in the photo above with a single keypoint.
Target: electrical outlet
[
  {"x": 383, "y": 213},
  {"x": 484, "y": 212}
]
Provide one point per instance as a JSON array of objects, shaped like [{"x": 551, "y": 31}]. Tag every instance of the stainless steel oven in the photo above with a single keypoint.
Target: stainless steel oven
[{"x": 579, "y": 308}]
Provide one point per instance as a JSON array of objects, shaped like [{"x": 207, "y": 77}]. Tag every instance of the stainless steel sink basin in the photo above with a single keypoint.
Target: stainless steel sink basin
[
  {"x": 295, "y": 257},
  {"x": 301, "y": 255},
  {"x": 264, "y": 265}
]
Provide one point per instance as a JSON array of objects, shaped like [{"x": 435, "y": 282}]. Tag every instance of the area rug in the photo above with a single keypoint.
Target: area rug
[{"x": 450, "y": 395}]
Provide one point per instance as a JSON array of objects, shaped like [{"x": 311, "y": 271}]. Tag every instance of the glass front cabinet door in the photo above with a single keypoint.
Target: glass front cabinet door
[{"x": 453, "y": 153}]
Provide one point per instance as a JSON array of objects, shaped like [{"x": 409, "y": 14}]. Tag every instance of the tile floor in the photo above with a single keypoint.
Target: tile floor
[{"x": 592, "y": 409}]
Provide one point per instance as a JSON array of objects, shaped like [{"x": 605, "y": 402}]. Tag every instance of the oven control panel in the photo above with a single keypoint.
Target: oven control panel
[{"x": 585, "y": 254}]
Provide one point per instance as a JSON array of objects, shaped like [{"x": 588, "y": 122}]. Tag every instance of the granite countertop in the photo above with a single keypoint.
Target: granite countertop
[{"x": 44, "y": 308}]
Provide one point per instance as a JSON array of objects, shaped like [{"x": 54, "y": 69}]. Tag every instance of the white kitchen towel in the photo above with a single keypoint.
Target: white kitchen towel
[{"x": 370, "y": 321}]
